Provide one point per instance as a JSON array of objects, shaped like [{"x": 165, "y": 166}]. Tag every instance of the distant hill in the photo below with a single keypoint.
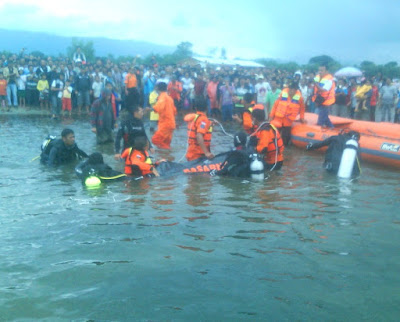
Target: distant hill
[{"x": 49, "y": 44}]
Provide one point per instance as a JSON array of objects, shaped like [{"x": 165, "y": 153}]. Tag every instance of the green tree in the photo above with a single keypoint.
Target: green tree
[
  {"x": 369, "y": 68},
  {"x": 391, "y": 69},
  {"x": 322, "y": 59},
  {"x": 86, "y": 47},
  {"x": 184, "y": 50}
]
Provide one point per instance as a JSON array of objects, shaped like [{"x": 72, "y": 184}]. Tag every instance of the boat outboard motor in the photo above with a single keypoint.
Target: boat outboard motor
[
  {"x": 349, "y": 156},
  {"x": 256, "y": 167}
]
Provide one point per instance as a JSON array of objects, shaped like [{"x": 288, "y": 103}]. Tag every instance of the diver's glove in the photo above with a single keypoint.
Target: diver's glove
[{"x": 309, "y": 146}]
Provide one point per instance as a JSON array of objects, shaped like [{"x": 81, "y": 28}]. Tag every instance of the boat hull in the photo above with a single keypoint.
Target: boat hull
[{"x": 379, "y": 142}]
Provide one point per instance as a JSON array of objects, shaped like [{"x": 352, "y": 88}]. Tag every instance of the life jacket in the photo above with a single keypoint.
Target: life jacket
[
  {"x": 329, "y": 96},
  {"x": 193, "y": 126},
  {"x": 288, "y": 107},
  {"x": 247, "y": 119},
  {"x": 131, "y": 167},
  {"x": 275, "y": 143}
]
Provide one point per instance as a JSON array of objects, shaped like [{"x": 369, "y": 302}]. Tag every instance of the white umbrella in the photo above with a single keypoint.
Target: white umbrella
[{"x": 348, "y": 72}]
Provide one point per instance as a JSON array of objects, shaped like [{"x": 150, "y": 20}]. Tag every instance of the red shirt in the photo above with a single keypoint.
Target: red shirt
[{"x": 3, "y": 87}]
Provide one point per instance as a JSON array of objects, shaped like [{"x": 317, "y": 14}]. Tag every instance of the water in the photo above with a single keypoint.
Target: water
[{"x": 302, "y": 245}]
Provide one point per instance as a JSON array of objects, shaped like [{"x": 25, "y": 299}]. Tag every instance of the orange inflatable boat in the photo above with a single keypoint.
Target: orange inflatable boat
[{"x": 379, "y": 142}]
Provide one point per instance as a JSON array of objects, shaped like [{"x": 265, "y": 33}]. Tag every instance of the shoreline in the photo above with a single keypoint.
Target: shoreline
[{"x": 34, "y": 111}]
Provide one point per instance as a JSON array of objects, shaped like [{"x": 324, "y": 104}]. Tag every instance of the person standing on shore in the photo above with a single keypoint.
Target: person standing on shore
[
  {"x": 82, "y": 87},
  {"x": 11, "y": 73},
  {"x": 387, "y": 98}
]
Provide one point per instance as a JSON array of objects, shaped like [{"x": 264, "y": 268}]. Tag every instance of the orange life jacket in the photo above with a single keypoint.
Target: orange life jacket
[
  {"x": 247, "y": 119},
  {"x": 137, "y": 158},
  {"x": 202, "y": 123},
  {"x": 329, "y": 96},
  {"x": 288, "y": 107},
  {"x": 268, "y": 142}
]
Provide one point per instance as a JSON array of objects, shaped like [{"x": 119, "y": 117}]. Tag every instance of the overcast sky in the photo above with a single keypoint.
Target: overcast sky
[{"x": 348, "y": 30}]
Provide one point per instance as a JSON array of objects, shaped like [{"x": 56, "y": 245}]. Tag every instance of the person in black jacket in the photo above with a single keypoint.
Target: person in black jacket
[
  {"x": 62, "y": 151},
  {"x": 336, "y": 145},
  {"x": 131, "y": 126},
  {"x": 82, "y": 88},
  {"x": 103, "y": 118}
]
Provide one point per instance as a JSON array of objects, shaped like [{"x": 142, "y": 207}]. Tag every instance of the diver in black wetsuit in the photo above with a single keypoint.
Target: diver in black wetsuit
[
  {"x": 61, "y": 151},
  {"x": 131, "y": 126},
  {"x": 95, "y": 166},
  {"x": 237, "y": 162},
  {"x": 333, "y": 155}
]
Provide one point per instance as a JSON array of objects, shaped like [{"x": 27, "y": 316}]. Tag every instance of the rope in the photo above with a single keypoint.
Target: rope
[
  {"x": 35, "y": 158},
  {"x": 359, "y": 165},
  {"x": 212, "y": 120},
  {"x": 222, "y": 128},
  {"x": 115, "y": 177}
]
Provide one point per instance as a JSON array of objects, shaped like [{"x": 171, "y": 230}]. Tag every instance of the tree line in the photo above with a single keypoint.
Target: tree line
[{"x": 185, "y": 51}]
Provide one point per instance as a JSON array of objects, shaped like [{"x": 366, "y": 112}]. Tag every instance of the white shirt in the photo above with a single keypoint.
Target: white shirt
[
  {"x": 58, "y": 84},
  {"x": 262, "y": 90},
  {"x": 21, "y": 82},
  {"x": 97, "y": 87},
  {"x": 186, "y": 83}
]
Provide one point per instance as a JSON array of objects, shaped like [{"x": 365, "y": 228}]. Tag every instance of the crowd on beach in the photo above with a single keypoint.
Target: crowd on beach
[{"x": 71, "y": 85}]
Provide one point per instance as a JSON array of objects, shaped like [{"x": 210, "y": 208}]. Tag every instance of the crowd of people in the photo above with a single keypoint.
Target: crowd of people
[
  {"x": 71, "y": 85},
  {"x": 264, "y": 102}
]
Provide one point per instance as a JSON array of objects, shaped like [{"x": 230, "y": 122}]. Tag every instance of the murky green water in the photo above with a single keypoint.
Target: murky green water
[{"x": 301, "y": 245}]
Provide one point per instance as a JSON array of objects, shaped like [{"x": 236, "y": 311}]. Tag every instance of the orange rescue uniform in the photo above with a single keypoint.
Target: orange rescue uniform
[
  {"x": 137, "y": 162},
  {"x": 247, "y": 119},
  {"x": 286, "y": 109},
  {"x": 166, "y": 124},
  {"x": 201, "y": 124},
  {"x": 130, "y": 80},
  {"x": 268, "y": 142},
  {"x": 174, "y": 90}
]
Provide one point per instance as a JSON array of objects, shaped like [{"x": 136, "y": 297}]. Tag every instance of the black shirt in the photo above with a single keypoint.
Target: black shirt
[{"x": 62, "y": 154}]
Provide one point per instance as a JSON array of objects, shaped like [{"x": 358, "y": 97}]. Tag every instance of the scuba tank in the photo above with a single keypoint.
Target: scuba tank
[
  {"x": 256, "y": 167},
  {"x": 46, "y": 143},
  {"x": 348, "y": 158}
]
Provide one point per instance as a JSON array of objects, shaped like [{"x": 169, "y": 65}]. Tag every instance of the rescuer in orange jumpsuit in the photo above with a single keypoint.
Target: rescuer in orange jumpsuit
[
  {"x": 137, "y": 159},
  {"x": 200, "y": 131},
  {"x": 267, "y": 141},
  {"x": 166, "y": 124},
  {"x": 285, "y": 110}
]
